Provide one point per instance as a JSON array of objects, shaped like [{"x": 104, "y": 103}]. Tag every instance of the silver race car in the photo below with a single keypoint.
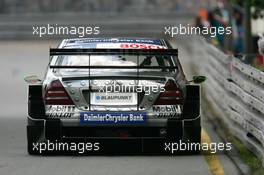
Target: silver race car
[{"x": 119, "y": 95}]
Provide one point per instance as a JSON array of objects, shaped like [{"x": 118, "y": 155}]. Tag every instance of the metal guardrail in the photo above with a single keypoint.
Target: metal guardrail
[{"x": 237, "y": 90}]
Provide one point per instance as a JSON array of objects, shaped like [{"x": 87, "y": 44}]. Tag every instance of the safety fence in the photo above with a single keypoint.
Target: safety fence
[{"x": 236, "y": 90}]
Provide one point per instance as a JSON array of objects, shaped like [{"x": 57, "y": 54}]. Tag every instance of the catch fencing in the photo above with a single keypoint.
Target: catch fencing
[{"x": 236, "y": 90}]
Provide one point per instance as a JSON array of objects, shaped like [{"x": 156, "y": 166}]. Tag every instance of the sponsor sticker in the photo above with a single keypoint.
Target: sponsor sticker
[
  {"x": 140, "y": 46},
  {"x": 113, "y": 117},
  {"x": 167, "y": 110},
  {"x": 116, "y": 40},
  {"x": 128, "y": 46},
  {"x": 114, "y": 98},
  {"x": 60, "y": 111}
]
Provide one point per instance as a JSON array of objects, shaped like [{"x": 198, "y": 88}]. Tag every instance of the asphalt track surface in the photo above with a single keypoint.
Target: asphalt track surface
[{"x": 21, "y": 58}]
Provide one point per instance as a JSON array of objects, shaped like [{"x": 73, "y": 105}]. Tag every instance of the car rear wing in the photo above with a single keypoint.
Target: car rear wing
[{"x": 135, "y": 52}]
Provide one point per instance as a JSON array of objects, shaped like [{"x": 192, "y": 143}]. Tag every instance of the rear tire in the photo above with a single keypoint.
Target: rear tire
[
  {"x": 192, "y": 118},
  {"x": 195, "y": 139},
  {"x": 33, "y": 136},
  {"x": 192, "y": 134}
]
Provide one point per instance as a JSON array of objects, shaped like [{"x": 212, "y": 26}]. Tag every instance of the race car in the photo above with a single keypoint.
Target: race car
[{"x": 119, "y": 95}]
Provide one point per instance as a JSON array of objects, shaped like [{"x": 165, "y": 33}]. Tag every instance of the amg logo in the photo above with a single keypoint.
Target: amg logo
[{"x": 165, "y": 109}]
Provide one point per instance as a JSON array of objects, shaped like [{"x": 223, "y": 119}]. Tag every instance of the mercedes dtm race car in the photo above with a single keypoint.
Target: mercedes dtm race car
[{"x": 114, "y": 95}]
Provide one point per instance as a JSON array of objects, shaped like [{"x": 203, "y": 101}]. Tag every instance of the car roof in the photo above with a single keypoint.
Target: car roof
[{"x": 94, "y": 43}]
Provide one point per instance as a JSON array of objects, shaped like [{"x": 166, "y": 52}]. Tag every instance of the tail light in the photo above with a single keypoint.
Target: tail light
[
  {"x": 57, "y": 95},
  {"x": 172, "y": 94}
]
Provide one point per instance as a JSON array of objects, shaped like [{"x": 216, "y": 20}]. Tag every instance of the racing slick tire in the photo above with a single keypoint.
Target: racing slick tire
[
  {"x": 192, "y": 118},
  {"x": 33, "y": 137},
  {"x": 192, "y": 135}
]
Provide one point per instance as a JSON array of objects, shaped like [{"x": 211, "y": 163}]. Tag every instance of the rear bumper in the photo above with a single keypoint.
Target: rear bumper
[
  {"x": 57, "y": 129},
  {"x": 144, "y": 140},
  {"x": 108, "y": 146}
]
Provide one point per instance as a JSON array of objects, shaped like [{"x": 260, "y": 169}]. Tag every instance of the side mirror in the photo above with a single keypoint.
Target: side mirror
[
  {"x": 198, "y": 79},
  {"x": 32, "y": 79}
]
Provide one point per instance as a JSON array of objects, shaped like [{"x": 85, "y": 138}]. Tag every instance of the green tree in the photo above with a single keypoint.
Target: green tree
[{"x": 256, "y": 6}]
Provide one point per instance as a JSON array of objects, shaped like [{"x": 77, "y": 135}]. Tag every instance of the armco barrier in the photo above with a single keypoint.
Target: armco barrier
[{"x": 237, "y": 91}]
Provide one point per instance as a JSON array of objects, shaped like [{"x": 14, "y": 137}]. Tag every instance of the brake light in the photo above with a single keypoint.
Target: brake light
[
  {"x": 57, "y": 95},
  {"x": 172, "y": 94}
]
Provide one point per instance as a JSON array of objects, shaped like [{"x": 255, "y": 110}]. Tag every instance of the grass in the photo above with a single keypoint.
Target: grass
[{"x": 248, "y": 157}]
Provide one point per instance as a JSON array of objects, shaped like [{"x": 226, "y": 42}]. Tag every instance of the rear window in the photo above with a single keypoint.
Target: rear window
[{"x": 114, "y": 60}]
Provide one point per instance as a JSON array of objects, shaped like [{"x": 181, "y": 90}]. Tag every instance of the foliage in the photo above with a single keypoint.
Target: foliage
[{"x": 257, "y": 7}]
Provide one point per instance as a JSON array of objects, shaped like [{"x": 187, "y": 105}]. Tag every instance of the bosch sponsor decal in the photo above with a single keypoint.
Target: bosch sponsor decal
[
  {"x": 167, "y": 110},
  {"x": 119, "y": 46},
  {"x": 60, "y": 111},
  {"x": 140, "y": 46},
  {"x": 113, "y": 117}
]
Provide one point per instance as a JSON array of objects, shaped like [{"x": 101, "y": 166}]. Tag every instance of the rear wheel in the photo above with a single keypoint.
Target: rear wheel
[
  {"x": 192, "y": 119},
  {"x": 192, "y": 136},
  {"x": 33, "y": 136},
  {"x": 36, "y": 110}
]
